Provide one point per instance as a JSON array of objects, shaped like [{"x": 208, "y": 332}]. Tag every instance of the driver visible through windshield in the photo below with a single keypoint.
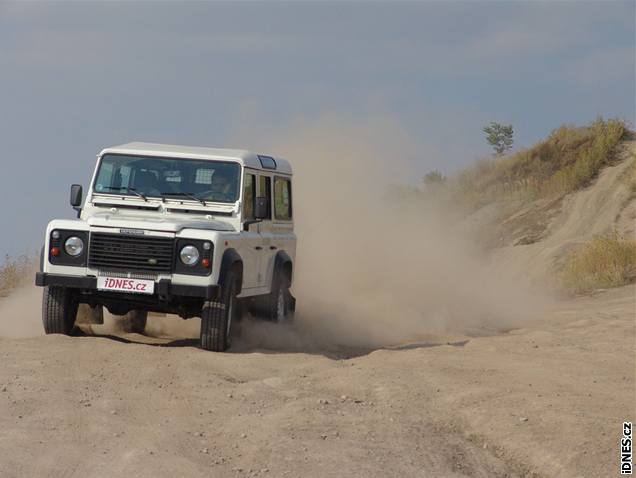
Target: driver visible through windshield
[{"x": 168, "y": 178}]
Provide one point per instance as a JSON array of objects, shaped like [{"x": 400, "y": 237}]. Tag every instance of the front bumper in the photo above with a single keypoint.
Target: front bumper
[{"x": 163, "y": 287}]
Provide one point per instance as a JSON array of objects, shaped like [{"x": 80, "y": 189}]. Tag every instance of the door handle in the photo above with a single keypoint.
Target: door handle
[
  {"x": 258, "y": 248},
  {"x": 272, "y": 248}
]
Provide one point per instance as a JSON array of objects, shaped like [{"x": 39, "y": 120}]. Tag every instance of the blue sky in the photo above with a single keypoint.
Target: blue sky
[{"x": 76, "y": 77}]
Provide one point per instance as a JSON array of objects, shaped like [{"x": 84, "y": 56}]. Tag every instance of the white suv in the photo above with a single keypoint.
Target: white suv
[{"x": 174, "y": 229}]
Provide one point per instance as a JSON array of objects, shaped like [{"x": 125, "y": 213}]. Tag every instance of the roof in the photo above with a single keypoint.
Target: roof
[{"x": 244, "y": 157}]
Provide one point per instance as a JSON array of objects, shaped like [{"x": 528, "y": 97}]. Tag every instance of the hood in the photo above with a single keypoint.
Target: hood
[{"x": 167, "y": 224}]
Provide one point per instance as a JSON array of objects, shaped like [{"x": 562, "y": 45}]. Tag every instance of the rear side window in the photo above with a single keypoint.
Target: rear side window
[
  {"x": 249, "y": 196},
  {"x": 282, "y": 199}
]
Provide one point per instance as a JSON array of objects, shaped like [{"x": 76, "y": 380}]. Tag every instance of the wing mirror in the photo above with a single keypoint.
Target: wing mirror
[
  {"x": 261, "y": 210},
  {"x": 76, "y": 198}
]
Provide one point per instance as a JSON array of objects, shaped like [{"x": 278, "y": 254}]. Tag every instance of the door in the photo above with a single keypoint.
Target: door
[
  {"x": 282, "y": 231},
  {"x": 251, "y": 240},
  {"x": 265, "y": 190}
]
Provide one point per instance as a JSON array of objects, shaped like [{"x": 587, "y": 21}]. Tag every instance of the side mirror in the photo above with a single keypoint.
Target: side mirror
[
  {"x": 261, "y": 210},
  {"x": 76, "y": 197}
]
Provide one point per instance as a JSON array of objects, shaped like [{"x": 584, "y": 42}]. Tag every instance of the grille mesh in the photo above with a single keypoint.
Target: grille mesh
[
  {"x": 127, "y": 275},
  {"x": 120, "y": 252}
]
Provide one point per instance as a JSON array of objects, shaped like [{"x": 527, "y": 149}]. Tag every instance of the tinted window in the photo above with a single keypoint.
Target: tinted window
[
  {"x": 282, "y": 199},
  {"x": 267, "y": 162},
  {"x": 216, "y": 181},
  {"x": 265, "y": 190},
  {"x": 249, "y": 196}
]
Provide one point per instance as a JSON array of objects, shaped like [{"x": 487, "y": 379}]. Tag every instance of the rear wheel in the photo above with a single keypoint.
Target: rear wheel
[
  {"x": 135, "y": 321},
  {"x": 59, "y": 310},
  {"x": 280, "y": 300},
  {"x": 218, "y": 317}
]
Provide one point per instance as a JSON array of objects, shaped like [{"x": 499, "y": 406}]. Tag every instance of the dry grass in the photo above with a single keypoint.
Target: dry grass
[
  {"x": 606, "y": 261},
  {"x": 565, "y": 162},
  {"x": 15, "y": 272}
]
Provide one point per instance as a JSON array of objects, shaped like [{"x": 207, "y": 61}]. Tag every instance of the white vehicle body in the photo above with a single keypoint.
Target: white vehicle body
[{"x": 118, "y": 226}]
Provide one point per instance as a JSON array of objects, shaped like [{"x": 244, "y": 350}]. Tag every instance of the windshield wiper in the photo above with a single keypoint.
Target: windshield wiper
[
  {"x": 127, "y": 189},
  {"x": 189, "y": 195}
]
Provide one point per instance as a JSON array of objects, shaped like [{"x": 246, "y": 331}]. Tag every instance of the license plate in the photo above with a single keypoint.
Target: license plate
[{"x": 136, "y": 286}]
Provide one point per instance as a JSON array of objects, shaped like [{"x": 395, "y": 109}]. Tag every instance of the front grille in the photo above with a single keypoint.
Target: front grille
[
  {"x": 119, "y": 252},
  {"x": 127, "y": 275}
]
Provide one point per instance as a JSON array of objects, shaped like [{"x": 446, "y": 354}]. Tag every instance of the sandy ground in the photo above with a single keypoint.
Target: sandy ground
[{"x": 547, "y": 400}]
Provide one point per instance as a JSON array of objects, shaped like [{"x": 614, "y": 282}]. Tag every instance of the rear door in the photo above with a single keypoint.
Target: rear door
[{"x": 282, "y": 231}]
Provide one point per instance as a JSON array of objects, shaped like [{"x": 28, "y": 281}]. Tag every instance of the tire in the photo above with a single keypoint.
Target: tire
[
  {"x": 280, "y": 309},
  {"x": 135, "y": 321},
  {"x": 59, "y": 310},
  {"x": 217, "y": 317}
]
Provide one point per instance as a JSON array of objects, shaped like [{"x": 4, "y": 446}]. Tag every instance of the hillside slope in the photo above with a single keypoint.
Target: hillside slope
[{"x": 607, "y": 204}]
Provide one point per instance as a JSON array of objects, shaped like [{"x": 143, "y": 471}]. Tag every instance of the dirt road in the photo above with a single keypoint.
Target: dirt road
[{"x": 547, "y": 400}]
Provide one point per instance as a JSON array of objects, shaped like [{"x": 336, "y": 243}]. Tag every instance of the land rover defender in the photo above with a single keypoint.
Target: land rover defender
[{"x": 198, "y": 232}]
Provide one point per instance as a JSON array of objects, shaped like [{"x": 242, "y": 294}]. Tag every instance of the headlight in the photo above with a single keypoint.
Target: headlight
[
  {"x": 74, "y": 246},
  {"x": 189, "y": 255}
]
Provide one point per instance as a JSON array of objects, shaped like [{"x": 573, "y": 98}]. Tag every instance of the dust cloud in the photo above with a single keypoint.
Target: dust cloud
[
  {"x": 21, "y": 313},
  {"x": 377, "y": 264}
]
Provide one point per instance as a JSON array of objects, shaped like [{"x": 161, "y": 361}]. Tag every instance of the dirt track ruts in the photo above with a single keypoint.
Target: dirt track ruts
[{"x": 547, "y": 400}]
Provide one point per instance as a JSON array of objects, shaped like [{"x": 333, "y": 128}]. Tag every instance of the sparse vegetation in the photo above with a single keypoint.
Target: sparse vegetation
[
  {"x": 434, "y": 178},
  {"x": 499, "y": 136},
  {"x": 568, "y": 160},
  {"x": 606, "y": 261},
  {"x": 15, "y": 272}
]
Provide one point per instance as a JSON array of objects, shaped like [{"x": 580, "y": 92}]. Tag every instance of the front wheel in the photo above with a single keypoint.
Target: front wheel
[
  {"x": 217, "y": 317},
  {"x": 59, "y": 310}
]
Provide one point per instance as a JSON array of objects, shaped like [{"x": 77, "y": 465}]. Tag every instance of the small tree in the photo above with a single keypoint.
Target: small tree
[
  {"x": 499, "y": 136},
  {"x": 433, "y": 178}
]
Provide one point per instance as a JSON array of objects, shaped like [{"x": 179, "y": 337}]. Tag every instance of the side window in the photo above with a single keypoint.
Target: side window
[
  {"x": 249, "y": 196},
  {"x": 265, "y": 190},
  {"x": 282, "y": 199}
]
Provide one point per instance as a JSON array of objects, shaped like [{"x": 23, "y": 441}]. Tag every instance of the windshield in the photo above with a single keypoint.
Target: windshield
[{"x": 190, "y": 179}]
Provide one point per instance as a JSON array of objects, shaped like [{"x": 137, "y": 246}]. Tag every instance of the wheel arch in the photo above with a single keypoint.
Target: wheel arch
[
  {"x": 231, "y": 261},
  {"x": 283, "y": 263}
]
